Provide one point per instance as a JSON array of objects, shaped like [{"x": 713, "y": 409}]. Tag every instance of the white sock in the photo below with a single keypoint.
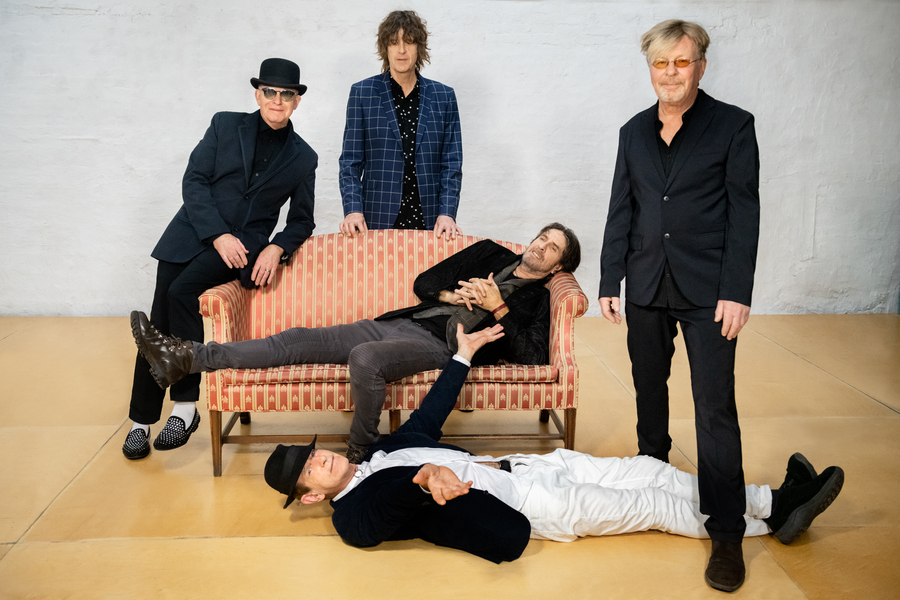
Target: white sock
[
  {"x": 185, "y": 411},
  {"x": 141, "y": 426}
]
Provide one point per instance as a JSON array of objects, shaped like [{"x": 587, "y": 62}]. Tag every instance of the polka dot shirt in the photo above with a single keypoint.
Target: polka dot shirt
[{"x": 407, "y": 108}]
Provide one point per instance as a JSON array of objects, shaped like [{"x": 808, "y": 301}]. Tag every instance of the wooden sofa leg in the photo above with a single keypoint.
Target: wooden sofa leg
[
  {"x": 394, "y": 419},
  {"x": 570, "y": 428},
  {"x": 245, "y": 418},
  {"x": 215, "y": 429},
  {"x": 545, "y": 416}
]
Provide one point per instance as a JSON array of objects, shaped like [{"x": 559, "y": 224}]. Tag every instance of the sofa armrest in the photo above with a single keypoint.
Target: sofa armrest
[
  {"x": 567, "y": 302},
  {"x": 227, "y": 307}
]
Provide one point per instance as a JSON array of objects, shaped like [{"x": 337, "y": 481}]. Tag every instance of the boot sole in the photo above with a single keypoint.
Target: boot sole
[
  {"x": 800, "y": 520},
  {"x": 721, "y": 586}
]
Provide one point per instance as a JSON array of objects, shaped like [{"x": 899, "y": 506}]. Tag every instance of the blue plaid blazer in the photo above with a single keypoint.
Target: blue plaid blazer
[{"x": 371, "y": 162}]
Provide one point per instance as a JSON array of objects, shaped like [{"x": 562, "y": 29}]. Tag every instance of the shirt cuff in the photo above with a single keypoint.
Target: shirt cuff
[{"x": 459, "y": 358}]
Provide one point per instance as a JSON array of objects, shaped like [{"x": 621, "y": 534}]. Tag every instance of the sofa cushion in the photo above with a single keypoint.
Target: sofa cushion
[{"x": 341, "y": 373}]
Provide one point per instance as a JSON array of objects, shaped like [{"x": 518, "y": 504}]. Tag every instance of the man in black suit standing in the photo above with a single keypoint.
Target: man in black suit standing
[
  {"x": 246, "y": 167},
  {"x": 682, "y": 230}
]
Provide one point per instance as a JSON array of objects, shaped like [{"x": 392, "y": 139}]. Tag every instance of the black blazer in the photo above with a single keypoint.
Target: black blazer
[
  {"x": 219, "y": 196},
  {"x": 704, "y": 219},
  {"x": 526, "y": 326},
  {"x": 387, "y": 505}
]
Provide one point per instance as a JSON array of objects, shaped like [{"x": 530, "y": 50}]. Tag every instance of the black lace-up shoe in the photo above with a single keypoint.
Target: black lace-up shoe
[
  {"x": 169, "y": 357},
  {"x": 137, "y": 444},
  {"x": 174, "y": 435}
]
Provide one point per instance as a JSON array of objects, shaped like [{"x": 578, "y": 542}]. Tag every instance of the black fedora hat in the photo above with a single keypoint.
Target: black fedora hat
[
  {"x": 284, "y": 467},
  {"x": 279, "y": 72}
]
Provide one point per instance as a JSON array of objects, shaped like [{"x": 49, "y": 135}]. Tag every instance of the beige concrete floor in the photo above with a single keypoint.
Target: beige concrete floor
[{"x": 80, "y": 521}]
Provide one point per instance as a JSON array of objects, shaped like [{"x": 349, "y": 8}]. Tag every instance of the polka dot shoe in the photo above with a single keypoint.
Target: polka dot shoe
[
  {"x": 137, "y": 444},
  {"x": 174, "y": 435}
]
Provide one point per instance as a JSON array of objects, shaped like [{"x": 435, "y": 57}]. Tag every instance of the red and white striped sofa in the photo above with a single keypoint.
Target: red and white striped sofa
[{"x": 332, "y": 280}]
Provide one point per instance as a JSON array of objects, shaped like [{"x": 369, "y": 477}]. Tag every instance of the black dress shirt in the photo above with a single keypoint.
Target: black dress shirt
[
  {"x": 667, "y": 294},
  {"x": 269, "y": 143},
  {"x": 410, "y": 214}
]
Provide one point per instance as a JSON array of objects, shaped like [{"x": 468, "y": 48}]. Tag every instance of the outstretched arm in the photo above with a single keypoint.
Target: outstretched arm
[{"x": 436, "y": 406}]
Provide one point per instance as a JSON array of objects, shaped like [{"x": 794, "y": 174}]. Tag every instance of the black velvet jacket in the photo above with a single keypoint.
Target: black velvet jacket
[
  {"x": 526, "y": 326},
  {"x": 387, "y": 505}
]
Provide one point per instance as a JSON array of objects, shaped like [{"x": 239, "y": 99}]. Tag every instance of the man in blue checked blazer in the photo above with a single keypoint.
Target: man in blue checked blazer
[{"x": 401, "y": 162}]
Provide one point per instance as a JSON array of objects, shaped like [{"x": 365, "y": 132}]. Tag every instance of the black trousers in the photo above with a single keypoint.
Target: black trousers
[
  {"x": 651, "y": 334},
  {"x": 176, "y": 311}
]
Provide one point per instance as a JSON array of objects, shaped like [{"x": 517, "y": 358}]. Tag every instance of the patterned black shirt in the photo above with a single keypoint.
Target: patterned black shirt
[{"x": 410, "y": 215}]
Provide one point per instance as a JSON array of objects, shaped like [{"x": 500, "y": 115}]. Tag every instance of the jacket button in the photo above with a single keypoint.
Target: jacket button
[
  {"x": 666, "y": 236},
  {"x": 665, "y": 198}
]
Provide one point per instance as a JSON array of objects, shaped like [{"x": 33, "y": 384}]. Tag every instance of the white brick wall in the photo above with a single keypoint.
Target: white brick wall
[{"x": 102, "y": 102}]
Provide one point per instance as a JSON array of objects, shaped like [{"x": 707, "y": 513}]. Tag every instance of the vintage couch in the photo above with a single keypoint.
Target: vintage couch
[{"x": 332, "y": 280}]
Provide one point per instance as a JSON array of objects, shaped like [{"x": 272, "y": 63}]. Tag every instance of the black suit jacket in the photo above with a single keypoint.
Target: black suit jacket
[
  {"x": 526, "y": 326},
  {"x": 703, "y": 219},
  {"x": 387, "y": 505},
  {"x": 220, "y": 197}
]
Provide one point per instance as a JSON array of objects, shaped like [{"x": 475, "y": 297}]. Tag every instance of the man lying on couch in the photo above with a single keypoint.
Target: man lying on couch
[
  {"x": 410, "y": 485},
  {"x": 480, "y": 286}
]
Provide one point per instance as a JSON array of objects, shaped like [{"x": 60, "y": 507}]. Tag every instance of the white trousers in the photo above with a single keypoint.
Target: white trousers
[{"x": 575, "y": 495}]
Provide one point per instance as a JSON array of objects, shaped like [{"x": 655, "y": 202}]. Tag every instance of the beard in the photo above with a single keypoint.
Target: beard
[{"x": 676, "y": 95}]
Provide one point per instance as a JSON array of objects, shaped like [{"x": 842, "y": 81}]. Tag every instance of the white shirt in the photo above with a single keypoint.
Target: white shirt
[{"x": 506, "y": 487}]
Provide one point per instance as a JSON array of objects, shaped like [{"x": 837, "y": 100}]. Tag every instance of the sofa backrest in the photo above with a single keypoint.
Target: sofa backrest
[{"x": 333, "y": 280}]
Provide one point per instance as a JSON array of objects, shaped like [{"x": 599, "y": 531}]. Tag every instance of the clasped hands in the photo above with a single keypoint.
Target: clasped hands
[
  {"x": 476, "y": 292},
  {"x": 234, "y": 254}
]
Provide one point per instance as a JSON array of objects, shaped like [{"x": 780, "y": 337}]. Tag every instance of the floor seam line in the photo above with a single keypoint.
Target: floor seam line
[
  {"x": 69, "y": 483},
  {"x": 830, "y": 374}
]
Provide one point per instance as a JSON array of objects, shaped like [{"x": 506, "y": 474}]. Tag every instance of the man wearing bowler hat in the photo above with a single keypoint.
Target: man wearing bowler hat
[
  {"x": 412, "y": 485},
  {"x": 246, "y": 167}
]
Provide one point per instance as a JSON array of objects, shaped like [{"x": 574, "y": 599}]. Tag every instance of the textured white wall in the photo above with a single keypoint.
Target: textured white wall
[{"x": 102, "y": 102}]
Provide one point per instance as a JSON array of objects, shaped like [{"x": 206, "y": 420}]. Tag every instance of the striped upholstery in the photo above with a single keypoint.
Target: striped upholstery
[{"x": 332, "y": 280}]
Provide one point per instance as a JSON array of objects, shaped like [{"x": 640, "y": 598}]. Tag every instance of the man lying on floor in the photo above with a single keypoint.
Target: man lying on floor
[{"x": 410, "y": 485}]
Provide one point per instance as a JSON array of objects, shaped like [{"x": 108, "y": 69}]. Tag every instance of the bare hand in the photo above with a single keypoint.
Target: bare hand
[
  {"x": 470, "y": 343},
  {"x": 353, "y": 225},
  {"x": 231, "y": 250},
  {"x": 446, "y": 224},
  {"x": 733, "y": 316},
  {"x": 610, "y": 309},
  {"x": 485, "y": 290},
  {"x": 441, "y": 482},
  {"x": 265, "y": 265}
]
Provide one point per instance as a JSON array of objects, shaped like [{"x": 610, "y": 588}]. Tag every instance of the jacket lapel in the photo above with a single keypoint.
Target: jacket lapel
[
  {"x": 649, "y": 132},
  {"x": 697, "y": 124},
  {"x": 387, "y": 105},
  {"x": 424, "y": 109},
  {"x": 247, "y": 133}
]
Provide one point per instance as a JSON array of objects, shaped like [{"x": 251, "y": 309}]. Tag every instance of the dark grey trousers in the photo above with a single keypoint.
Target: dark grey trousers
[{"x": 376, "y": 351}]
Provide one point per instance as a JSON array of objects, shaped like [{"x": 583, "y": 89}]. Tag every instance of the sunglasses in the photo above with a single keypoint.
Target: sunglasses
[
  {"x": 286, "y": 95},
  {"x": 661, "y": 63}
]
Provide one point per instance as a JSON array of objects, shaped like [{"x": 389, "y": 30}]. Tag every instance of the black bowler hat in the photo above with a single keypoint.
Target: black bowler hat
[
  {"x": 279, "y": 72},
  {"x": 284, "y": 467}
]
